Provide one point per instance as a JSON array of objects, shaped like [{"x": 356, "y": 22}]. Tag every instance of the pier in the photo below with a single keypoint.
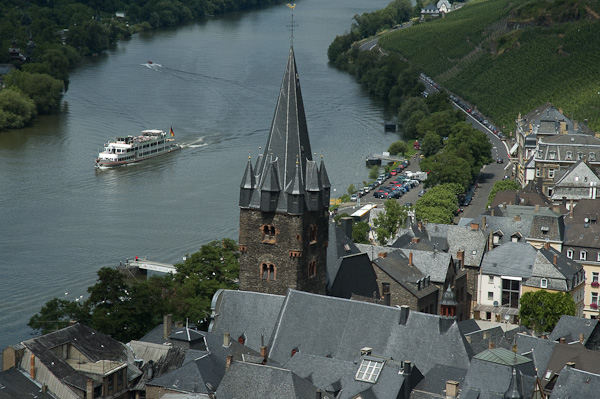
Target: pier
[
  {"x": 376, "y": 159},
  {"x": 143, "y": 265}
]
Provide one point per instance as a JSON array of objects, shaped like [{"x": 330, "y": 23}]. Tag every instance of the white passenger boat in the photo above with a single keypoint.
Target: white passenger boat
[{"x": 130, "y": 149}]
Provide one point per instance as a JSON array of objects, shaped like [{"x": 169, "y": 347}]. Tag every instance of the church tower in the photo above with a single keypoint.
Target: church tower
[{"x": 284, "y": 204}]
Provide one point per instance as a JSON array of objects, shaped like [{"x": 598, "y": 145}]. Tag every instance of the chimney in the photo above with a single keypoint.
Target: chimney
[
  {"x": 563, "y": 127},
  {"x": 89, "y": 388},
  {"x": 32, "y": 369},
  {"x": 483, "y": 220},
  {"x": 404, "y": 311},
  {"x": 167, "y": 325},
  {"x": 563, "y": 340},
  {"x": 491, "y": 345},
  {"x": 410, "y": 259},
  {"x": 517, "y": 218},
  {"x": 571, "y": 364},
  {"x": 346, "y": 224},
  {"x": 226, "y": 339},
  {"x": 460, "y": 255},
  {"x": 264, "y": 352},
  {"x": 546, "y": 245},
  {"x": 446, "y": 323},
  {"x": 581, "y": 338},
  {"x": 382, "y": 254},
  {"x": 44, "y": 388},
  {"x": 554, "y": 261},
  {"x": 406, "y": 373},
  {"x": 474, "y": 226},
  {"x": 571, "y": 209},
  {"x": 556, "y": 208},
  {"x": 451, "y": 389},
  {"x": 537, "y": 208},
  {"x": 319, "y": 394},
  {"x": 228, "y": 362},
  {"x": 492, "y": 213},
  {"x": 575, "y": 126},
  {"x": 420, "y": 225},
  {"x": 415, "y": 240}
]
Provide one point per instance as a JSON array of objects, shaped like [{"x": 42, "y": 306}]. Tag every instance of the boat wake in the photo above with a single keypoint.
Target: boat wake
[
  {"x": 196, "y": 145},
  {"x": 152, "y": 65}
]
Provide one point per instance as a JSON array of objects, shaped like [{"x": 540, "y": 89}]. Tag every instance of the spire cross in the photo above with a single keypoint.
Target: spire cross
[{"x": 292, "y": 6}]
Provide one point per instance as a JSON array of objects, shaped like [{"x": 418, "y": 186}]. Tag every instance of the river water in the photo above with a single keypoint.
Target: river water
[{"x": 216, "y": 83}]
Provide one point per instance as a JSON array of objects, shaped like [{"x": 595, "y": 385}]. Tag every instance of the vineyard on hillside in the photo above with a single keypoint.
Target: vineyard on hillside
[{"x": 498, "y": 55}]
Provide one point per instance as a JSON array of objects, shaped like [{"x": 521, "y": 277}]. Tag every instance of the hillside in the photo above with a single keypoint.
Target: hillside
[{"x": 509, "y": 56}]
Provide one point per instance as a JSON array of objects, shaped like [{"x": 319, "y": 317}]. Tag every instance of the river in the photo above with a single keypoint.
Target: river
[{"x": 216, "y": 83}]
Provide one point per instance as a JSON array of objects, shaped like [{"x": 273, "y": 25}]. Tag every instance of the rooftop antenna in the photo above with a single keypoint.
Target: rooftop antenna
[{"x": 292, "y": 25}]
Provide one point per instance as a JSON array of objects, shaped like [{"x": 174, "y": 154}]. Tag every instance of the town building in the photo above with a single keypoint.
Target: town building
[{"x": 284, "y": 203}]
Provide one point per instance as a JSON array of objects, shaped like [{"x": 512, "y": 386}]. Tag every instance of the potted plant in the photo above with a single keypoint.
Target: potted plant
[
  {"x": 594, "y": 305},
  {"x": 595, "y": 284}
]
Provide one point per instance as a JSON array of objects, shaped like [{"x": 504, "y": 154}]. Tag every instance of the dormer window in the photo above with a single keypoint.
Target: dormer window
[
  {"x": 569, "y": 156},
  {"x": 570, "y": 253},
  {"x": 369, "y": 370},
  {"x": 544, "y": 283},
  {"x": 582, "y": 255},
  {"x": 551, "y": 173},
  {"x": 552, "y": 155},
  {"x": 580, "y": 155},
  {"x": 592, "y": 156}
]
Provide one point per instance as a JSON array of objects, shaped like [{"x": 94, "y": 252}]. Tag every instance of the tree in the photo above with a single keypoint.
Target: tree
[
  {"x": 398, "y": 147},
  {"x": 16, "y": 109},
  {"x": 351, "y": 189},
  {"x": 439, "y": 204},
  {"x": 214, "y": 267},
  {"x": 502, "y": 185},
  {"x": 54, "y": 315},
  {"x": 43, "y": 89},
  {"x": 447, "y": 167},
  {"x": 411, "y": 105},
  {"x": 389, "y": 221},
  {"x": 464, "y": 139},
  {"x": 360, "y": 231},
  {"x": 431, "y": 144},
  {"x": 373, "y": 172},
  {"x": 541, "y": 309}
]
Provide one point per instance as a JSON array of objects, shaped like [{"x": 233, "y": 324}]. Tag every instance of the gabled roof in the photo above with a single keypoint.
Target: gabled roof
[
  {"x": 570, "y": 327},
  {"x": 435, "y": 380},
  {"x": 547, "y": 227},
  {"x": 431, "y": 263},
  {"x": 578, "y": 232},
  {"x": 396, "y": 266},
  {"x": 502, "y": 356},
  {"x": 584, "y": 359},
  {"x": 473, "y": 242},
  {"x": 251, "y": 381},
  {"x": 15, "y": 385},
  {"x": 513, "y": 259},
  {"x": 537, "y": 349},
  {"x": 559, "y": 275},
  {"x": 94, "y": 346},
  {"x": 491, "y": 380},
  {"x": 229, "y": 307},
  {"x": 574, "y": 383}
]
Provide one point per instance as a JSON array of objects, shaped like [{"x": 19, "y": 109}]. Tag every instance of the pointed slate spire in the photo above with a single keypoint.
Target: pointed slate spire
[
  {"x": 295, "y": 194},
  {"x": 269, "y": 188},
  {"x": 288, "y": 138},
  {"x": 325, "y": 183},
  {"x": 313, "y": 186},
  {"x": 247, "y": 186}
]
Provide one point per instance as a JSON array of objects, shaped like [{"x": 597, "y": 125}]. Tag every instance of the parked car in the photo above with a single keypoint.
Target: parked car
[
  {"x": 422, "y": 192},
  {"x": 354, "y": 197}
]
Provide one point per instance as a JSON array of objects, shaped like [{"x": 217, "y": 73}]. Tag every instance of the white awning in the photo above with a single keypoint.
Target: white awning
[{"x": 513, "y": 148}]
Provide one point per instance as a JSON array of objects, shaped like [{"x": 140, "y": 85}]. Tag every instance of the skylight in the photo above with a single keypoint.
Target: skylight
[{"x": 369, "y": 370}]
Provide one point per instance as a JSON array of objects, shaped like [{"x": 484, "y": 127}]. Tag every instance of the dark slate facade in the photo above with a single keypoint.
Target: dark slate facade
[{"x": 284, "y": 201}]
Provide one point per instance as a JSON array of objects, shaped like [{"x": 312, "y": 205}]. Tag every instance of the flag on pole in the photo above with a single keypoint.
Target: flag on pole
[{"x": 172, "y": 132}]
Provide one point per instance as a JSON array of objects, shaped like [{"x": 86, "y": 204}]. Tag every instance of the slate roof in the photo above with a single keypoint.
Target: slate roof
[
  {"x": 228, "y": 306},
  {"x": 15, "y": 385},
  {"x": 287, "y": 167},
  {"x": 569, "y": 327},
  {"x": 510, "y": 259},
  {"x": 547, "y": 228},
  {"x": 575, "y": 183},
  {"x": 431, "y": 263},
  {"x": 373, "y": 251},
  {"x": 562, "y": 144},
  {"x": 92, "y": 344},
  {"x": 491, "y": 380},
  {"x": 396, "y": 266},
  {"x": 574, "y": 383},
  {"x": 334, "y": 375},
  {"x": 546, "y": 113},
  {"x": 537, "y": 349},
  {"x": 509, "y": 226},
  {"x": 435, "y": 381},
  {"x": 473, "y": 242},
  {"x": 479, "y": 340},
  {"x": 584, "y": 359},
  {"x": 576, "y": 232},
  {"x": 251, "y": 381},
  {"x": 559, "y": 276}
]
